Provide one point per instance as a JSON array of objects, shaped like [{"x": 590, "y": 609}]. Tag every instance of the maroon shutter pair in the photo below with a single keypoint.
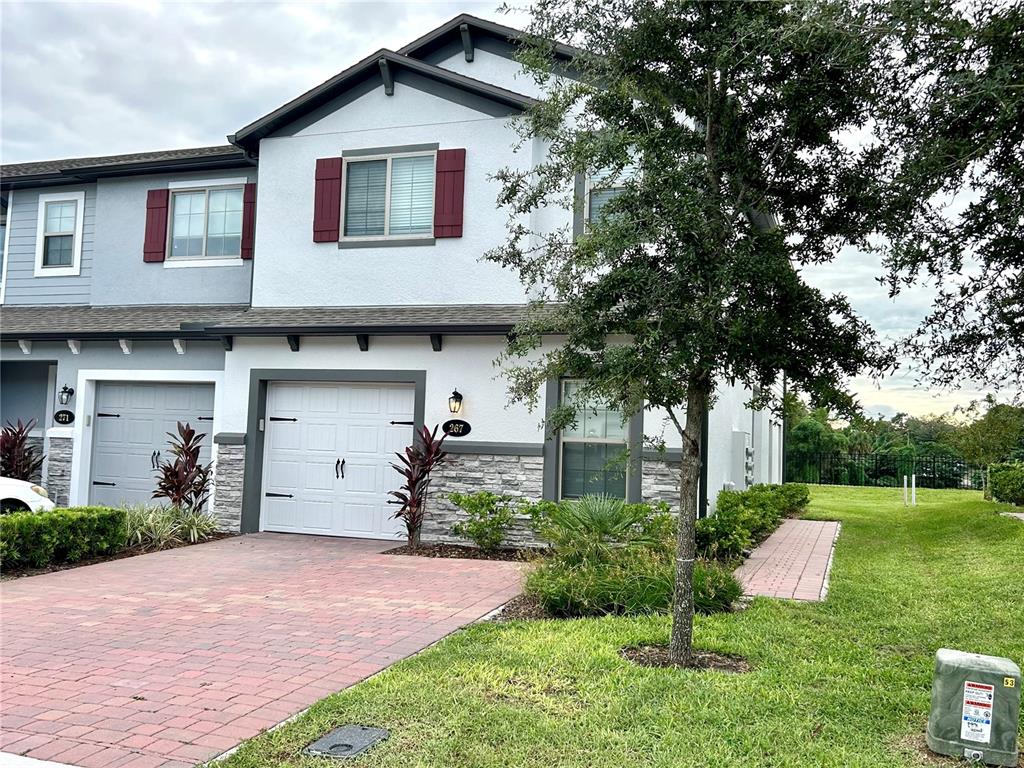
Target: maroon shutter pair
[
  {"x": 154, "y": 246},
  {"x": 449, "y": 191}
]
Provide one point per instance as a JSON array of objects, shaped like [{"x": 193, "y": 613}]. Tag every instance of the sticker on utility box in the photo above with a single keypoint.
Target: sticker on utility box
[{"x": 976, "y": 724}]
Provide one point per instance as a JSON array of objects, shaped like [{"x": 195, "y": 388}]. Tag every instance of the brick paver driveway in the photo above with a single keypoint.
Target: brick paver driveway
[{"x": 170, "y": 658}]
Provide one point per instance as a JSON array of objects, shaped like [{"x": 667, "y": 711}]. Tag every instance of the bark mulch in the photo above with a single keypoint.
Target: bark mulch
[
  {"x": 657, "y": 656},
  {"x": 459, "y": 551},
  {"x": 522, "y": 608},
  {"x": 9, "y": 574}
]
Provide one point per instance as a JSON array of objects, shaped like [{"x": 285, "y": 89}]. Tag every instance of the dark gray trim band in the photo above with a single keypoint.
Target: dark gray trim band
[
  {"x": 483, "y": 447},
  {"x": 229, "y": 438},
  {"x": 390, "y": 150},
  {"x": 405, "y": 243},
  {"x": 669, "y": 454},
  {"x": 259, "y": 380}
]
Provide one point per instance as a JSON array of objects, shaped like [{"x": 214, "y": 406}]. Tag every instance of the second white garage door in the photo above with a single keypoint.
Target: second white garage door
[{"x": 329, "y": 448}]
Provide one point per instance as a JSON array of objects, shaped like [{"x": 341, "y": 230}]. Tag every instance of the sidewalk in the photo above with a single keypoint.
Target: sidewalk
[{"x": 792, "y": 563}]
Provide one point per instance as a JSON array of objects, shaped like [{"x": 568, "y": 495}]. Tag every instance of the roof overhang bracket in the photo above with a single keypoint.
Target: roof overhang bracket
[
  {"x": 227, "y": 342},
  {"x": 26, "y": 346},
  {"x": 126, "y": 345},
  {"x": 467, "y": 41},
  {"x": 293, "y": 342},
  {"x": 389, "y": 80},
  {"x": 75, "y": 346},
  {"x": 179, "y": 346},
  {"x": 363, "y": 340},
  {"x": 435, "y": 342}
]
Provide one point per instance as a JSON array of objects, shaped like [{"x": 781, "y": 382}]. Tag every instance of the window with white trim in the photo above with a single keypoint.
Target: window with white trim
[
  {"x": 388, "y": 197},
  {"x": 206, "y": 223},
  {"x": 59, "y": 234},
  {"x": 592, "y": 451}
]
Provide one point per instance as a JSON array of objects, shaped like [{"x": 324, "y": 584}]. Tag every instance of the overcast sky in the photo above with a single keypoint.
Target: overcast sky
[{"x": 81, "y": 79}]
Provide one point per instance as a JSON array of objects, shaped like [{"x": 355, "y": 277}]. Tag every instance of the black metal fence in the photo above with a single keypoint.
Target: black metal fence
[{"x": 882, "y": 470}]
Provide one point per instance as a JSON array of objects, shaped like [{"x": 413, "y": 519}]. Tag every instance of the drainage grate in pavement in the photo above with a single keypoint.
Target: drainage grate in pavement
[{"x": 346, "y": 741}]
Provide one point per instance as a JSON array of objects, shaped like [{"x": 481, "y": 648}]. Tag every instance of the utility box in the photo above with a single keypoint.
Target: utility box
[{"x": 975, "y": 707}]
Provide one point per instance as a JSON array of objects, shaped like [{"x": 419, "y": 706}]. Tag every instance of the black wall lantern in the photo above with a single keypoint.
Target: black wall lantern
[
  {"x": 65, "y": 395},
  {"x": 455, "y": 402}
]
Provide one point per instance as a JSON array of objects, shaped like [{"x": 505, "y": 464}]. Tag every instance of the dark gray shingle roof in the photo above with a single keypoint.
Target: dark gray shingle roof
[
  {"x": 393, "y": 319},
  {"x": 65, "y": 322}
]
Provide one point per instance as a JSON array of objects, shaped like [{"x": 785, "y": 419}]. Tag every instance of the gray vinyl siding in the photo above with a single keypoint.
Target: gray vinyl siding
[{"x": 22, "y": 286}]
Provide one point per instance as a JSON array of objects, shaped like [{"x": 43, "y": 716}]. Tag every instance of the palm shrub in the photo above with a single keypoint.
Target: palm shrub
[
  {"x": 418, "y": 462},
  {"x": 488, "y": 518},
  {"x": 18, "y": 457},
  {"x": 184, "y": 480}
]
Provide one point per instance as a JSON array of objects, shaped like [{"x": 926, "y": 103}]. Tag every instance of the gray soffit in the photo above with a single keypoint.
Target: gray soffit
[
  {"x": 78, "y": 169},
  {"x": 370, "y": 69},
  {"x": 462, "y": 319},
  {"x": 478, "y": 29},
  {"x": 86, "y": 322}
]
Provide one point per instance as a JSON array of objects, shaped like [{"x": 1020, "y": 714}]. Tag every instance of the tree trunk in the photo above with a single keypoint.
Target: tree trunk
[{"x": 681, "y": 644}]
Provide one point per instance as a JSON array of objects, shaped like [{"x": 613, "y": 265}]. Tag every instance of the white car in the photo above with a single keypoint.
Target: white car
[{"x": 22, "y": 496}]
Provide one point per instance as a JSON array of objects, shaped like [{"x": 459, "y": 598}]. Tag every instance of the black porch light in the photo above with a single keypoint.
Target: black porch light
[
  {"x": 65, "y": 394},
  {"x": 455, "y": 402}
]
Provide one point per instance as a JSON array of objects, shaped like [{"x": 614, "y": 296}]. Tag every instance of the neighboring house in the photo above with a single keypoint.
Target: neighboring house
[{"x": 307, "y": 295}]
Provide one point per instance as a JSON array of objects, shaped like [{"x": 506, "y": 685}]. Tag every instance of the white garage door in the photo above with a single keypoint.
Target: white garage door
[
  {"x": 329, "y": 448},
  {"x": 130, "y": 429}
]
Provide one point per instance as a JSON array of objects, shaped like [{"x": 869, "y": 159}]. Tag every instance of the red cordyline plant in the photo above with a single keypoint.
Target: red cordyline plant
[
  {"x": 183, "y": 480},
  {"x": 419, "y": 460},
  {"x": 18, "y": 457}
]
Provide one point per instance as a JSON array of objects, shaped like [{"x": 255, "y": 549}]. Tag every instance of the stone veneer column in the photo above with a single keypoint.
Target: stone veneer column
[
  {"x": 58, "y": 469},
  {"x": 228, "y": 473},
  {"x": 516, "y": 476},
  {"x": 660, "y": 482}
]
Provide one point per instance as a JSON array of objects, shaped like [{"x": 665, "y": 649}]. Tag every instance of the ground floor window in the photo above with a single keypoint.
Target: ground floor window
[{"x": 593, "y": 450}]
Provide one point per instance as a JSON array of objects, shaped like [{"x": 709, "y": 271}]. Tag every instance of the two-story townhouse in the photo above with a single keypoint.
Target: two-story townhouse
[{"x": 314, "y": 292}]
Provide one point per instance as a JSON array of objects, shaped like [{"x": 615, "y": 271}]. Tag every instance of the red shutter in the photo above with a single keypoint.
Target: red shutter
[
  {"x": 154, "y": 247},
  {"x": 327, "y": 200},
  {"x": 449, "y": 189},
  {"x": 248, "y": 220}
]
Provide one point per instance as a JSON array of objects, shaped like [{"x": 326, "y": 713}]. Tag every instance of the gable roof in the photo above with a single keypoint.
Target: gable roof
[
  {"x": 370, "y": 69},
  {"x": 450, "y": 32},
  {"x": 71, "y": 170}
]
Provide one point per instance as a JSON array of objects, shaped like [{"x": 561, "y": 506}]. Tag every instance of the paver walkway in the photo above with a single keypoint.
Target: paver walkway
[
  {"x": 791, "y": 563},
  {"x": 170, "y": 658},
  {"x": 1018, "y": 515}
]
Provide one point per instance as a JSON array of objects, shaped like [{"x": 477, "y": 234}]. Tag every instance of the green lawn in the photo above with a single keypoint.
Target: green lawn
[{"x": 840, "y": 683}]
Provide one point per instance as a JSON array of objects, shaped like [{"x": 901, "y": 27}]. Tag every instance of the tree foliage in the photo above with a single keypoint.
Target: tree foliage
[{"x": 717, "y": 123}]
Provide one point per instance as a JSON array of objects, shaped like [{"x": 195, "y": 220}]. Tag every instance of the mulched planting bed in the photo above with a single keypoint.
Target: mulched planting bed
[
  {"x": 9, "y": 574},
  {"x": 459, "y": 551},
  {"x": 522, "y": 607},
  {"x": 657, "y": 656}
]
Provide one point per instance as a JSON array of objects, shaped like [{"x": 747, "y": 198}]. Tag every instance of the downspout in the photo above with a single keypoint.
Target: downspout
[
  {"x": 702, "y": 501},
  {"x": 782, "y": 470}
]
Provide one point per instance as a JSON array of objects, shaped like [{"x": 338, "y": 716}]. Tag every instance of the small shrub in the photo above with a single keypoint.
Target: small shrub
[
  {"x": 796, "y": 497},
  {"x": 744, "y": 518},
  {"x": 36, "y": 539},
  {"x": 1006, "y": 482},
  {"x": 633, "y": 582},
  {"x": 159, "y": 527},
  {"x": 489, "y": 517},
  {"x": 18, "y": 457}
]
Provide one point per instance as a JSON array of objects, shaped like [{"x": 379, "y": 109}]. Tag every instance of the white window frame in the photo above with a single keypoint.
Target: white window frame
[
  {"x": 78, "y": 198},
  {"x": 188, "y": 187},
  {"x": 562, "y": 440},
  {"x": 387, "y": 197}
]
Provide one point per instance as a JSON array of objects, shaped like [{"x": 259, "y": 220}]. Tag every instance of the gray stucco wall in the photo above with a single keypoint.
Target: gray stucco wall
[
  {"x": 23, "y": 391},
  {"x": 22, "y": 286},
  {"x": 121, "y": 229}
]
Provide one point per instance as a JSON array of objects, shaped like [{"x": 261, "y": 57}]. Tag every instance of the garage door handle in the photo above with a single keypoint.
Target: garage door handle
[
  {"x": 152, "y": 460},
  {"x": 98, "y": 482},
  {"x": 279, "y": 495},
  {"x": 339, "y": 467}
]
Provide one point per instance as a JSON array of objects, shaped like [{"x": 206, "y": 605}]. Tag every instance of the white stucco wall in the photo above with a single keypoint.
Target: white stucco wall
[
  {"x": 491, "y": 68},
  {"x": 290, "y": 269}
]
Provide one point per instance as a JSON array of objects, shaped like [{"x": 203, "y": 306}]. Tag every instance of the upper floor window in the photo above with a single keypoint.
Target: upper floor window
[
  {"x": 59, "y": 234},
  {"x": 389, "y": 197},
  {"x": 602, "y": 188},
  {"x": 206, "y": 223},
  {"x": 592, "y": 450}
]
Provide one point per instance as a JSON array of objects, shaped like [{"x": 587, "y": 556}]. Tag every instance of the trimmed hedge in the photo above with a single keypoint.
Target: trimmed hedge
[
  {"x": 36, "y": 539},
  {"x": 1006, "y": 482},
  {"x": 745, "y": 518}
]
